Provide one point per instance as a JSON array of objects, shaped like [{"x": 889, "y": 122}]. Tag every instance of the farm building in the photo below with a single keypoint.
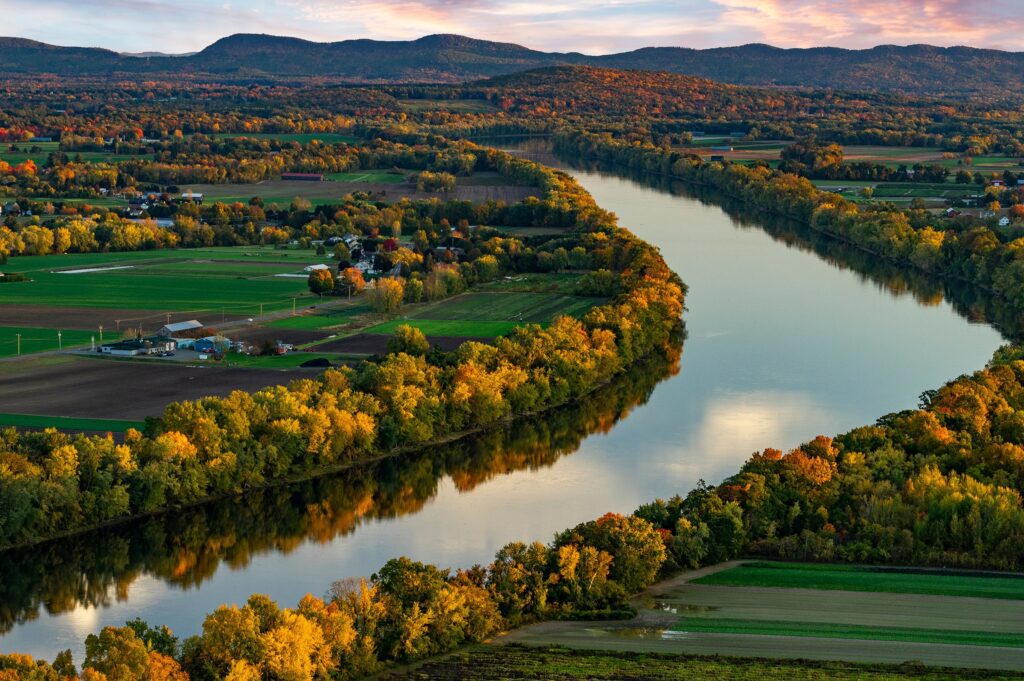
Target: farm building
[
  {"x": 40, "y": 139},
  {"x": 192, "y": 196},
  {"x": 178, "y": 328},
  {"x": 722, "y": 147},
  {"x": 717, "y": 157},
  {"x": 315, "y": 268},
  {"x": 306, "y": 177},
  {"x": 139, "y": 346}
]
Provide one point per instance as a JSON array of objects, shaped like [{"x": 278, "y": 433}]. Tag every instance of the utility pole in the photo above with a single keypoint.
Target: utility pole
[
  {"x": 101, "y": 334},
  {"x": 261, "y": 310},
  {"x": 19, "y": 342},
  {"x": 293, "y": 306},
  {"x": 60, "y": 342}
]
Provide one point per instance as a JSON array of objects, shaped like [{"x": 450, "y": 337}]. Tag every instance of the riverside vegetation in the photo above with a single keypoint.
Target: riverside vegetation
[{"x": 937, "y": 485}]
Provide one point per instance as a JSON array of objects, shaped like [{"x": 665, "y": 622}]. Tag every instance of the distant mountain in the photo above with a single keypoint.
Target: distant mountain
[{"x": 453, "y": 58}]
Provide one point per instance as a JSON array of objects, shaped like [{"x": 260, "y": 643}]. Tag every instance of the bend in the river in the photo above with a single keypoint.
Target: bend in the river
[{"x": 784, "y": 343}]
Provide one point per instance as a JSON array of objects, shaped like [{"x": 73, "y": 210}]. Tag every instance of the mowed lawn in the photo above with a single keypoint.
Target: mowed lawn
[
  {"x": 858, "y": 578},
  {"x": 168, "y": 280},
  {"x": 487, "y": 314}
]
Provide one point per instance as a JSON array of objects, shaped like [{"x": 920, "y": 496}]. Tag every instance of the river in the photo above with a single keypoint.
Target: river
[{"x": 783, "y": 344}]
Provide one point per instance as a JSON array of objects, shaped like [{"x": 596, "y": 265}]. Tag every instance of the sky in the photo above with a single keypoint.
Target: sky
[{"x": 589, "y": 26}]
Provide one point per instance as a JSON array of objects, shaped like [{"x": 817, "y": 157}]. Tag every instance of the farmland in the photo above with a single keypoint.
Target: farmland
[
  {"x": 378, "y": 176},
  {"x": 487, "y": 663},
  {"x": 123, "y": 390},
  {"x": 483, "y": 314},
  {"x": 857, "y": 578},
  {"x": 68, "y": 423},
  {"x": 215, "y": 281},
  {"x": 971, "y": 620}
]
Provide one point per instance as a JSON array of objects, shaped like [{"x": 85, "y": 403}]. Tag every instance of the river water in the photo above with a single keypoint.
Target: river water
[{"x": 783, "y": 344}]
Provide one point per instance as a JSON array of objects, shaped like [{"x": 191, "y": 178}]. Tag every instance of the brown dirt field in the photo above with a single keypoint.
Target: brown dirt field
[
  {"x": 98, "y": 388},
  {"x": 260, "y": 334},
  {"x": 91, "y": 317},
  {"x": 373, "y": 343}
]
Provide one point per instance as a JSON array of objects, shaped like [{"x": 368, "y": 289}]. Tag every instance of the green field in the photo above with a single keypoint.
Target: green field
[
  {"x": 164, "y": 280},
  {"x": 320, "y": 320},
  {"x": 288, "y": 361},
  {"x": 34, "y": 339},
  {"x": 855, "y": 578},
  {"x": 487, "y": 314},
  {"x": 494, "y": 663},
  {"x": 68, "y": 423},
  {"x": 375, "y": 176},
  {"x": 724, "y": 625},
  {"x": 447, "y": 327},
  {"x": 531, "y": 282}
]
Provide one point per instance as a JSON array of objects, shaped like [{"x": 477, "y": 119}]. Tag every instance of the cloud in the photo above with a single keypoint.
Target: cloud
[
  {"x": 866, "y": 23},
  {"x": 591, "y": 26}
]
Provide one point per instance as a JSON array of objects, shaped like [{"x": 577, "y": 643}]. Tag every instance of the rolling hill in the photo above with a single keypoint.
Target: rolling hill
[{"x": 451, "y": 58}]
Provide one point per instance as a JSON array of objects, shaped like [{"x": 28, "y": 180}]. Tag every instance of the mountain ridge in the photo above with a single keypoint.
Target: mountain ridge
[{"x": 452, "y": 58}]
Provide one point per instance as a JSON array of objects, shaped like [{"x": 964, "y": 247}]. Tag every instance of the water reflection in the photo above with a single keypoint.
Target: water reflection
[
  {"x": 186, "y": 549},
  {"x": 973, "y": 303}
]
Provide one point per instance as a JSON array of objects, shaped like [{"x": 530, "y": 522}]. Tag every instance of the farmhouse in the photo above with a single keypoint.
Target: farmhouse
[
  {"x": 139, "y": 346},
  {"x": 178, "y": 328},
  {"x": 306, "y": 177}
]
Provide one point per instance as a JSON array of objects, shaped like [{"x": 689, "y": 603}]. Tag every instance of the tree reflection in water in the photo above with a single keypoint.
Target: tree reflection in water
[{"x": 186, "y": 548}]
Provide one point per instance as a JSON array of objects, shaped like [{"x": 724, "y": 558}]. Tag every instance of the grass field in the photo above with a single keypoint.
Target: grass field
[
  {"x": 562, "y": 282},
  {"x": 233, "y": 280},
  {"x": 68, "y": 423},
  {"x": 854, "y": 578},
  {"x": 288, "y": 361},
  {"x": 320, "y": 320},
  {"x": 378, "y": 176},
  {"x": 39, "y": 339},
  {"x": 448, "y": 327},
  {"x": 493, "y": 663},
  {"x": 861, "y": 632},
  {"x": 487, "y": 314}
]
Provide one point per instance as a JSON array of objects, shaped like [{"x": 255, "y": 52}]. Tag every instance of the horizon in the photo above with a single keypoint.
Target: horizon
[
  {"x": 156, "y": 51},
  {"x": 585, "y": 26}
]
